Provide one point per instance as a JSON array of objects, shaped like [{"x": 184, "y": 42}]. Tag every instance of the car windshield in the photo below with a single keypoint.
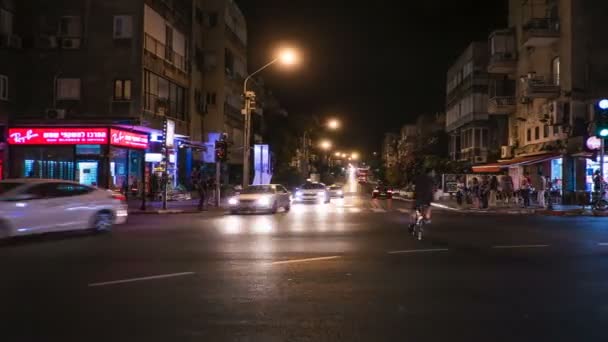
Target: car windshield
[
  {"x": 313, "y": 186},
  {"x": 335, "y": 187},
  {"x": 259, "y": 189},
  {"x": 8, "y": 186}
]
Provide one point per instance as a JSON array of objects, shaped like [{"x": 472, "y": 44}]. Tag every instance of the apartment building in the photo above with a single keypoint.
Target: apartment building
[
  {"x": 224, "y": 59},
  {"x": 97, "y": 79},
  {"x": 554, "y": 52},
  {"x": 10, "y": 47},
  {"x": 476, "y": 134}
]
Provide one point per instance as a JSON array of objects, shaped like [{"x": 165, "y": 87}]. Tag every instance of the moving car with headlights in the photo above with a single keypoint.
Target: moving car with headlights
[
  {"x": 336, "y": 191},
  {"x": 382, "y": 191},
  {"x": 260, "y": 198},
  {"x": 34, "y": 206},
  {"x": 313, "y": 192}
]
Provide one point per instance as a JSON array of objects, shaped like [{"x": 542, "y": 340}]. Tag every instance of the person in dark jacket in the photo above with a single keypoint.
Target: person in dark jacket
[
  {"x": 202, "y": 192},
  {"x": 423, "y": 193}
]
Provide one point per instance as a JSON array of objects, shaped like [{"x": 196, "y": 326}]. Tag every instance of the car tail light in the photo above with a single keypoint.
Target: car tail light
[{"x": 119, "y": 197}]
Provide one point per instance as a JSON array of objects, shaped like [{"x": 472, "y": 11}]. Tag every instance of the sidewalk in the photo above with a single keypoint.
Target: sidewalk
[
  {"x": 558, "y": 210},
  {"x": 173, "y": 207}
]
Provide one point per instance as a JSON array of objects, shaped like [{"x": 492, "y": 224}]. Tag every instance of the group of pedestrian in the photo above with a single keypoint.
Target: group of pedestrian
[{"x": 204, "y": 186}]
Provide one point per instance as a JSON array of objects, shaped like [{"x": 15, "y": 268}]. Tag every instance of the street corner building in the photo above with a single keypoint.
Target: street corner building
[
  {"x": 522, "y": 102},
  {"x": 86, "y": 87}
]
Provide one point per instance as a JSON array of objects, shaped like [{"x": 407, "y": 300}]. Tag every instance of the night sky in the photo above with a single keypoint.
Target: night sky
[{"x": 377, "y": 66}]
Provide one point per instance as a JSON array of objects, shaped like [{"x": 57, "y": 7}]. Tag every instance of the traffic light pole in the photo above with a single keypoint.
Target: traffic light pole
[
  {"x": 602, "y": 140},
  {"x": 218, "y": 168}
]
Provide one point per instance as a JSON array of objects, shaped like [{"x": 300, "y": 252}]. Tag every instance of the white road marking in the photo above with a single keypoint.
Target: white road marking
[
  {"x": 519, "y": 246},
  {"x": 160, "y": 276},
  {"x": 378, "y": 210},
  {"x": 305, "y": 260},
  {"x": 602, "y": 244},
  {"x": 403, "y": 210},
  {"x": 419, "y": 250}
]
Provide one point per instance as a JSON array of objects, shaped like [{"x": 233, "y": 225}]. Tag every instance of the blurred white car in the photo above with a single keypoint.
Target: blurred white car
[
  {"x": 33, "y": 206},
  {"x": 336, "y": 191},
  {"x": 312, "y": 192},
  {"x": 261, "y": 198}
]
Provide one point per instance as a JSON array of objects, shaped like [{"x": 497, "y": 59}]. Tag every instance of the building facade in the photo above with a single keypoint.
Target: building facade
[
  {"x": 476, "y": 135},
  {"x": 10, "y": 49},
  {"x": 553, "y": 52},
  {"x": 224, "y": 61},
  {"x": 97, "y": 81}
]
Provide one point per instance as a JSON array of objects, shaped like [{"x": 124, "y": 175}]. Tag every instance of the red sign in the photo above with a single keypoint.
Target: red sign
[
  {"x": 57, "y": 136},
  {"x": 128, "y": 139}
]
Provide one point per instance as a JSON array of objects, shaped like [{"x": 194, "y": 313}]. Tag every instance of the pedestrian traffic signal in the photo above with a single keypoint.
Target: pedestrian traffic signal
[
  {"x": 601, "y": 118},
  {"x": 221, "y": 151}
]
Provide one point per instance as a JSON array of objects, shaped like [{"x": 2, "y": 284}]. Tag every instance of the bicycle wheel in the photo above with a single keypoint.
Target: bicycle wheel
[
  {"x": 420, "y": 230},
  {"x": 601, "y": 205}
]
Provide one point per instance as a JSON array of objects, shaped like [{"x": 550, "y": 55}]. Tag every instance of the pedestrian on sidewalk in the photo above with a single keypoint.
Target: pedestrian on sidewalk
[
  {"x": 540, "y": 190},
  {"x": 484, "y": 192},
  {"x": 202, "y": 192},
  {"x": 475, "y": 192},
  {"x": 507, "y": 188},
  {"x": 493, "y": 191},
  {"x": 526, "y": 185}
]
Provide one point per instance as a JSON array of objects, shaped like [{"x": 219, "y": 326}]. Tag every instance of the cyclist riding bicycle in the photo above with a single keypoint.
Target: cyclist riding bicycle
[{"x": 423, "y": 195}]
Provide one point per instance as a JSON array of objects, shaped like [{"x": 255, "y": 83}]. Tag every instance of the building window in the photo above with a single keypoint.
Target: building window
[
  {"x": 3, "y": 88},
  {"x": 555, "y": 70},
  {"x": 211, "y": 98},
  {"x": 536, "y": 133},
  {"x": 529, "y": 135},
  {"x": 484, "y": 138},
  {"x": 123, "y": 27},
  {"x": 555, "y": 130},
  {"x": 122, "y": 90},
  {"x": 211, "y": 19},
  {"x": 163, "y": 96},
  {"x": 68, "y": 89},
  {"x": 6, "y": 22},
  {"x": 546, "y": 131},
  {"x": 229, "y": 62},
  {"x": 198, "y": 15},
  {"x": 69, "y": 27}
]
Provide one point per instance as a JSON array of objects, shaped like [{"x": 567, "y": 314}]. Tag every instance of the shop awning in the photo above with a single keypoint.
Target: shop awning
[{"x": 519, "y": 161}]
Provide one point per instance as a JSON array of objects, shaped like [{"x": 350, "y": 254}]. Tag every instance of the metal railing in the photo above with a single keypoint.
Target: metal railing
[{"x": 160, "y": 50}]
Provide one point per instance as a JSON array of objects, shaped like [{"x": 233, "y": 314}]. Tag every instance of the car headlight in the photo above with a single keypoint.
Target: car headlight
[
  {"x": 299, "y": 193},
  {"x": 264, "y": 201},
  {"x": 233, "y": 201}
]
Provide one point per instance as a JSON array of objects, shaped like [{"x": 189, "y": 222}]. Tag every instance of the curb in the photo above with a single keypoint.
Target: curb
[{"x": 175, "y": 212}]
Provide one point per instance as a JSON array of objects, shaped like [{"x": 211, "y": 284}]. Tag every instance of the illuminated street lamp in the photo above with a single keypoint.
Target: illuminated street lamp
[
  {"x": 325, "y": 144},
  {"x": 338, "y": 154},
  {"x": 333, "y": 124},
  {"x": 355, "y": 156},
  {"x": 286, "y": 57}
]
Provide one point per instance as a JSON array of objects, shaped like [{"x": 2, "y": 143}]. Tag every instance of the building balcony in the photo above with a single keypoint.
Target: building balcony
[
  {"x": 503, "y": 55},
  {"x": 538, "y": 87},
  {"x": 501, "y": 105},
  {"x": 539, "y": 32},
  {"x": 465, "y": 119}
]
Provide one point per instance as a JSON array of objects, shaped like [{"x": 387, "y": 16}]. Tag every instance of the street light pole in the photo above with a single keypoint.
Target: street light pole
[{"x": 247, "y": 122}]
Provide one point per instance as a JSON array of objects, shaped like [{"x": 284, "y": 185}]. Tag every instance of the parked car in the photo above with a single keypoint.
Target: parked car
[
  {"x": 260, "y": 198},
  {"x": 313, "y": 192},
  {"x": 382, "y": 191},
  {"x": 34, "y": 206},
  {"x": 336, "y": 191}
]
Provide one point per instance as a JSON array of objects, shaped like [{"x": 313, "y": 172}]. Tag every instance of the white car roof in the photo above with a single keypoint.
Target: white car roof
[{"x": 36, "y": 181}]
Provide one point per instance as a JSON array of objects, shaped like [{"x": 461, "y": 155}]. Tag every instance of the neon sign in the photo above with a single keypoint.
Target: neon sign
[
  {"x": 128, "y": 139},
  {"x": 57, "y": 136}
]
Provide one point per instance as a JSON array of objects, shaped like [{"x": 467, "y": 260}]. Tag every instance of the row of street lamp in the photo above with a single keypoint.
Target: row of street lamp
[{"x": 286, "y": 56}]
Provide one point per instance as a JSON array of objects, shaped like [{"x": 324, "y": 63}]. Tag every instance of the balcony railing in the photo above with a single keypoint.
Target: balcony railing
[
  {"x": 164, "y": 52},
  {"x": 501, "y": 105},
  {"x": 540, "y": 32},
  {"x": 540, "y": 87},
  {"x": 502, "y": 63}
]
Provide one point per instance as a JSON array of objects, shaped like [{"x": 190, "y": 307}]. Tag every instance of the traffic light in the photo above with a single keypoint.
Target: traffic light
[
  {"x": 221, "y": 150},
  {"x": 601, "y": 118}
]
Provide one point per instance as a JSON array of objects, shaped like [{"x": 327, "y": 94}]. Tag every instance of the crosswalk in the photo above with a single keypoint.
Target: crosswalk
[{"x": 363, "y": 208}]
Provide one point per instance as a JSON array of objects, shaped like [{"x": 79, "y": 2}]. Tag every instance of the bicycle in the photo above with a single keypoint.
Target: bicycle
[
  {"x": 417, "y": 229},
  {"x": 599, "y": 203}
]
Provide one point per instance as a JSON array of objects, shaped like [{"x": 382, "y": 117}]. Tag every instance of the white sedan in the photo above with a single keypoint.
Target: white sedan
[
  {"x": 34, "y": 206},
  {"x": 265, "y": 198}
]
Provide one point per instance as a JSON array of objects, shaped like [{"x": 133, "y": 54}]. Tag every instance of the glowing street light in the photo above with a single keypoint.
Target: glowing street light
[
  {"x": 333, "y": 124},
  {"x": 338, "y": 154},
  {"x": 325, "y": 144},
  {"x": 285, "y": 56},
  {"x": 354, "y": 155}
]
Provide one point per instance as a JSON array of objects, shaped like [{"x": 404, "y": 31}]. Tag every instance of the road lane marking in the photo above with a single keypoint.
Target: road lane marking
[
  {"x": 602, "y": 244},
  {"x": 419, "y": 250},
  {"x": 305, "y": 260},
  {"x": 378, "y": 210},
  {"x": 403, "y": 210},
  {"x": 130, "y": 280},
  {"x": 519, "y": 246}
]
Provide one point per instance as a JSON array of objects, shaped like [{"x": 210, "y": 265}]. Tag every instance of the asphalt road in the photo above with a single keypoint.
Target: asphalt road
[{"x": 346, "y": 271}]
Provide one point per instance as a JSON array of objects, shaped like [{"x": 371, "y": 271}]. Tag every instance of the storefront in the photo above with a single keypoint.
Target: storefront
[{"x": 99, "y": 156}]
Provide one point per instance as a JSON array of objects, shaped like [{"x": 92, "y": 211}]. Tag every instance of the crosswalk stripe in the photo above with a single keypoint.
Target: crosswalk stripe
[
  {"x": 378, "y": 210},
  {"x": 403, "y": 210}
]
